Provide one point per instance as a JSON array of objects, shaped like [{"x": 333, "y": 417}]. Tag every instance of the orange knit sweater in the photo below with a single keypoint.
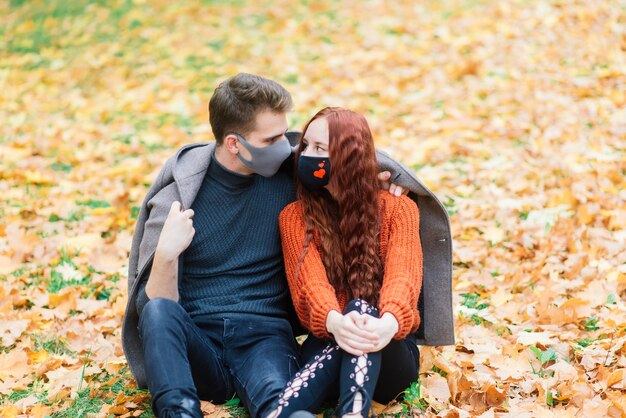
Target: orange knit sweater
[{"x": 401, "y": 253}]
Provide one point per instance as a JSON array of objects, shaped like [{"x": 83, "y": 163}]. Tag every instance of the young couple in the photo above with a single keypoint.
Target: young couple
[{"x": 209, "y": 306}]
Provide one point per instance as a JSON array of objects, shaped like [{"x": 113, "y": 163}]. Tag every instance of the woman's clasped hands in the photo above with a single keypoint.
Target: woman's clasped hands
[{"x": 358, "y": 333}]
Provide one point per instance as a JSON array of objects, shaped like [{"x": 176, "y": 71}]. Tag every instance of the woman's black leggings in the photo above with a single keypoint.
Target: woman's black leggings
[{"x": 381, "y": 376}]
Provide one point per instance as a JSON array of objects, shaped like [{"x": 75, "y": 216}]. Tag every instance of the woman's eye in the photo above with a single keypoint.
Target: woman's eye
[{"x": 320, "y": 149}]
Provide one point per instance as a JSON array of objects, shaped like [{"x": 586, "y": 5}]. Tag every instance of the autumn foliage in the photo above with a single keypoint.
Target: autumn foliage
[{"x": 512, "y": 112}]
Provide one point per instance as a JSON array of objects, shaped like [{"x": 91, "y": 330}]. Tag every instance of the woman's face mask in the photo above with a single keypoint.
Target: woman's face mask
[
  {"x": 267, "y": 160},
  {"x": 313, "y": 172}
]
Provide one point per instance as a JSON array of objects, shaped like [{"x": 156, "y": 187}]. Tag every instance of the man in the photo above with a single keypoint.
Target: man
[{"x": 209, "y": 308}]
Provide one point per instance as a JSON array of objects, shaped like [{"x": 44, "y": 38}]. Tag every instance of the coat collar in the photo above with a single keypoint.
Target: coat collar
[{"x": 190, "y": 166}]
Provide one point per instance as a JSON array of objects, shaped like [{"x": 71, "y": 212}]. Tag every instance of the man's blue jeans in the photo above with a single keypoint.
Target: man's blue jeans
[{"x": 253, "y": 356}]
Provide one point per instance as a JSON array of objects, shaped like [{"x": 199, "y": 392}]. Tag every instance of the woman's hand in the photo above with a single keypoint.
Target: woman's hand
[
  {"x": 384, "y": 328},
  {"x": 386, "y": 184},
  {"x": 177, "y": 232},
  {"x": 350, "y": 334}
]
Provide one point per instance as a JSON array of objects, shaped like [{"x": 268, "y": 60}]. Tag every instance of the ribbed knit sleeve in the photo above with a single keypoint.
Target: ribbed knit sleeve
[
  {"x": 403, "y": 265},
  {"x": 313, "y": 296}
]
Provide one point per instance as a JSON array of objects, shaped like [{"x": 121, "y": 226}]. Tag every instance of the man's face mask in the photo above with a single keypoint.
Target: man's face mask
[
  {"x": 313, "y": 172},
  {"x": 267, "y": 160}
]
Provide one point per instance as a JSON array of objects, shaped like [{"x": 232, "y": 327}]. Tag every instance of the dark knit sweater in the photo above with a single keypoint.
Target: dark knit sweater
[{"x": 234, "y": 265}]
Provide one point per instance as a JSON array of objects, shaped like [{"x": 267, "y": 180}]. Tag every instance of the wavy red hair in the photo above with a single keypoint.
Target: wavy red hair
[{"x": 347, "y": 224}]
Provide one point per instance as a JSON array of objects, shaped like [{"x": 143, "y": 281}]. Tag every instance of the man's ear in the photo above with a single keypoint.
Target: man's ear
[{"x": 231, "y": 144}]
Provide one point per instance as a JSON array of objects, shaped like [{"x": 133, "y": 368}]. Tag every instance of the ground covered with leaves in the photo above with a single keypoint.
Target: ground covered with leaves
[{"x": 512, "y": 112}]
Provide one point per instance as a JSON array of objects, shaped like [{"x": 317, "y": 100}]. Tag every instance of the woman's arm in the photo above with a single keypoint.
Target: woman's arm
[
  {"x": 402, "y": 280},
  {"x": 313, "y": 296}
]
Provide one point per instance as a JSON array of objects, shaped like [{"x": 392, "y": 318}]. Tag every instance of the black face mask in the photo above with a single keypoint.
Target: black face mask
[{"x": 313, "y": 172}]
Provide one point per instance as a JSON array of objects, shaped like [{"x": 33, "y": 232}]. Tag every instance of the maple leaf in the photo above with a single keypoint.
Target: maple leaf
[{"x": 11, "y": 330}]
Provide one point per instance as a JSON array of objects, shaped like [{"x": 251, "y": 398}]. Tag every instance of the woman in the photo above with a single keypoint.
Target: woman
[{"x": 354, "y": 270}]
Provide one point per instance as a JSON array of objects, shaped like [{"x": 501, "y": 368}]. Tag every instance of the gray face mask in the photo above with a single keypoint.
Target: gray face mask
[{"x": 267, "y": 160}]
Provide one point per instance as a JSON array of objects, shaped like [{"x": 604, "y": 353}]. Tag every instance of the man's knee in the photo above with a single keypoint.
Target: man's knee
[{"x": 159, "y": 312}]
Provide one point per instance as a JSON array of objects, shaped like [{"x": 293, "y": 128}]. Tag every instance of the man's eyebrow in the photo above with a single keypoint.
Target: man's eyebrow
[{"x": 275, "y": 136}]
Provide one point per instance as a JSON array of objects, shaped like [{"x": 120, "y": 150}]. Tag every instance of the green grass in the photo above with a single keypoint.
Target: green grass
[
  {"x": 472, "y": 301},
  {"x": 230, "y": 3},
  {"x": 57, "y": 282},
  {"x": 439, "y": 371},
  {"x": 33, "y": 388},
  {"x": 413, "y": 401},
  {"x": 235, "y": 408},
  {"x": 544, "y": 357},
  {"x": 17, "y": 395},
  {"x": 19, "y": 272},
  {"x": 479, "y": 320},
  {"x": 31, "y": 42},
  {"x": 61, "y": 167},
  {"x": 120, "y": 386},
  {"x": 44, "y": 25},
  {"x": 591, "y": 324},
  {"x": 450, "y": 205},
  {"x": 83, "y": 404},
  {"x": 94, "y": 203},
  {"x": 585, "y": 342},
  {"x": 51, "y": 344},
  {"x": 42, "y": 14},
  {"x": 74, "y": 216},
  {"x": 104, "y": 294}
]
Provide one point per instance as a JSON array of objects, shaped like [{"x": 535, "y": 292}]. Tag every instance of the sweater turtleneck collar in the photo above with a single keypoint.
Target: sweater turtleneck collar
[{"x": 228, "y": 178}]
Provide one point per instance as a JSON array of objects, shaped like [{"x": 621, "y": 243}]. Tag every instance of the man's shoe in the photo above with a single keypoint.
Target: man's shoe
[
  {"x": 302, "y": 414},
  {"x": 186, "y": 408},
  {"x": 176, "y": 413}
]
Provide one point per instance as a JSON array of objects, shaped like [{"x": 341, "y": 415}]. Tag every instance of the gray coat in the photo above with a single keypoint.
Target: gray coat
[{"x": 180, "y": 179}]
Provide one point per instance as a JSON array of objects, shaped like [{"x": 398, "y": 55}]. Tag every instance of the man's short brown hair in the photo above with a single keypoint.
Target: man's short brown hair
[{"x": 237, "y": 100}]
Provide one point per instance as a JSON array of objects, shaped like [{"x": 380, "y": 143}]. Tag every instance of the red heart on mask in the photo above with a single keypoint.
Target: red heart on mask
[
  {"x": 320, "y": 165},
  {"x": 319, "y": 173}
]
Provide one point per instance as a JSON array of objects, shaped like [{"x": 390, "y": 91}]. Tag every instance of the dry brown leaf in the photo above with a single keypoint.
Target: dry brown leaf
[
  {"x": 12, "y": 330},
  {"x": 40, "y": 411}
]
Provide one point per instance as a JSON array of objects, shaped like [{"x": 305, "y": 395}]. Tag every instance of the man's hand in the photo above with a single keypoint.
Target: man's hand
[
  {"x": 176, "y": 236},
  {"x": 384, "y": 328},
  {"x": 177, "y": 232},
  {"x": 349, "y": 333},
  {"x": 393, "y": 188}
]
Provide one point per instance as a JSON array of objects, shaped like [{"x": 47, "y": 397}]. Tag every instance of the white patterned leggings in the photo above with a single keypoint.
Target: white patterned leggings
[{"x": 356, "y": 374}]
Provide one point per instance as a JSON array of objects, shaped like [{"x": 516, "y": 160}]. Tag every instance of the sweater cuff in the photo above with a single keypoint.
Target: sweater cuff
[
  {"x": 403, "y": 315},
  {"x": 318, "y": 320}
]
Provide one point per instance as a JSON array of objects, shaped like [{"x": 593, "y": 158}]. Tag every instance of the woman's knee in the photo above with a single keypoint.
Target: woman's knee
[
  {"x": 361, "y": 306},
  {"x": 400, "y": 367}
]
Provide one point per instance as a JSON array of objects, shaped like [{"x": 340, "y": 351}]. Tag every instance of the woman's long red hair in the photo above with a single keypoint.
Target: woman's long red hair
[{"x": 348, "y": 223}]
